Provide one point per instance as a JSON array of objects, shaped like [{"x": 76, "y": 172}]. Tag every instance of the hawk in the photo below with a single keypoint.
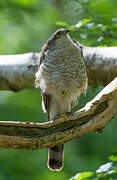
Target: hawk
[{"x": 62, "y": 78}]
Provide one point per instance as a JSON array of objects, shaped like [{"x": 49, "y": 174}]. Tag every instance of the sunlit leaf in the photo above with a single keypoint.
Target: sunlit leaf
[
  {"x": 82, "y": 176},
  {"x": 61, "y": 23},
  {"x": 113, "y": 157},
  {"x": 105, "y": 167},
  {"x": 85, "y": 21}
]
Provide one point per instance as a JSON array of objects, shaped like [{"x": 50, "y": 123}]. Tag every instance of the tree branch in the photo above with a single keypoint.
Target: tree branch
[
  {"x": 18, "y": 71},
  {"x": 93, "y": 117},
  {"x": 101, "y": 63}
]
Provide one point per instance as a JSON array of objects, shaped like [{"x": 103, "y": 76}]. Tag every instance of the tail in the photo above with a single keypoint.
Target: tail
[{"x": 56, "y": 157}]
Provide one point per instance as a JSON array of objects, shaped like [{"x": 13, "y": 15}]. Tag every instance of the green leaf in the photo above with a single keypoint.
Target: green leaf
[
  {"x": 113, "y": 158},
  {"x": 61, "y": 23},
  {"x": 85, "y": 21},
  {"x": 83, "y": 176}
]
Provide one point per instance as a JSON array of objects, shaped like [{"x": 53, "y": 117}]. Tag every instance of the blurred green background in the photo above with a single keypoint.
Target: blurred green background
[{"x": 25, "y": 25}]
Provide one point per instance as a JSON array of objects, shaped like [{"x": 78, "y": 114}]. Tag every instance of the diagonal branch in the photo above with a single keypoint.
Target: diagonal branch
[
  {"x": 18, "y": 71},
  {"x": 93, "y": 117}
]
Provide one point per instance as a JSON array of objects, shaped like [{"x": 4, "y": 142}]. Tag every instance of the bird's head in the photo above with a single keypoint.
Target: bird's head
[{"x": 59, "y": 39}]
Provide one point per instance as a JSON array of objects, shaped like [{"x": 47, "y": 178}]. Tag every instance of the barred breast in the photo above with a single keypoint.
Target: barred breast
[{"x": 63, "y": 70}]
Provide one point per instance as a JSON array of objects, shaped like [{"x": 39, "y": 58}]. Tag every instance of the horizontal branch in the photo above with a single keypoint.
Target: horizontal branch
[
  {"x": 18, "y": 71},
  {"x": 93, "y": 117},
  {"x": 101, "y": 63}
]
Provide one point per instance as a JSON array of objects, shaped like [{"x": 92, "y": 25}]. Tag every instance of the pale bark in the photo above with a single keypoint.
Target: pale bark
[
  {"x": 18, "y": 71},
  {"x": 101, "y": 63},
  {"x": 93, "y": 117}
]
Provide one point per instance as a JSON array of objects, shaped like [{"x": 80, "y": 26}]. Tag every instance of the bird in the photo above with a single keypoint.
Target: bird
[{"x": 62, "y": 77}]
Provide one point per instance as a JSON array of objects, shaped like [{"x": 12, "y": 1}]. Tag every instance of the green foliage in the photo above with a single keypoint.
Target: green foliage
[
  {"x": 22, "y": 23},
  {"x": 107, "y": 171},
  {"x": 98, "y": 24}
]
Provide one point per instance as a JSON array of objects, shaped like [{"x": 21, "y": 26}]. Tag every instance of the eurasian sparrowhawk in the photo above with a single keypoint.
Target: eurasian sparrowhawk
[{"x": 62, "y": 78}]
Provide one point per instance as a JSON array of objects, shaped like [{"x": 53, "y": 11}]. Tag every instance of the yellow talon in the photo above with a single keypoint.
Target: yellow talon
[
  {"x": 60, "y": 116},
  {"x": 64, "y": 94},
  {"x": 67, "y": 114}
]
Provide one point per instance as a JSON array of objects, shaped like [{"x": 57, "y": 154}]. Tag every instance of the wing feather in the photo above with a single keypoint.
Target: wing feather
[
  {"x": 46, "y": 100},
  {"x": 44, "y": 49}
]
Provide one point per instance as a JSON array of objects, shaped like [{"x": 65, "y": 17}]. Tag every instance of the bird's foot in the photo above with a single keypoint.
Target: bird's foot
[
  {"x": 65, "y": 115},
  {"x": 99, "y": 130}
]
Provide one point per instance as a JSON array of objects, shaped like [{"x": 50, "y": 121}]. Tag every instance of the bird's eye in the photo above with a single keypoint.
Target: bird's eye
[{"x": 58, "y": 35}]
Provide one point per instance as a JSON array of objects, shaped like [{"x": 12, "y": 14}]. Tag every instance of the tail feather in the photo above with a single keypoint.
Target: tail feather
[{"x": 56, "y": 157}]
